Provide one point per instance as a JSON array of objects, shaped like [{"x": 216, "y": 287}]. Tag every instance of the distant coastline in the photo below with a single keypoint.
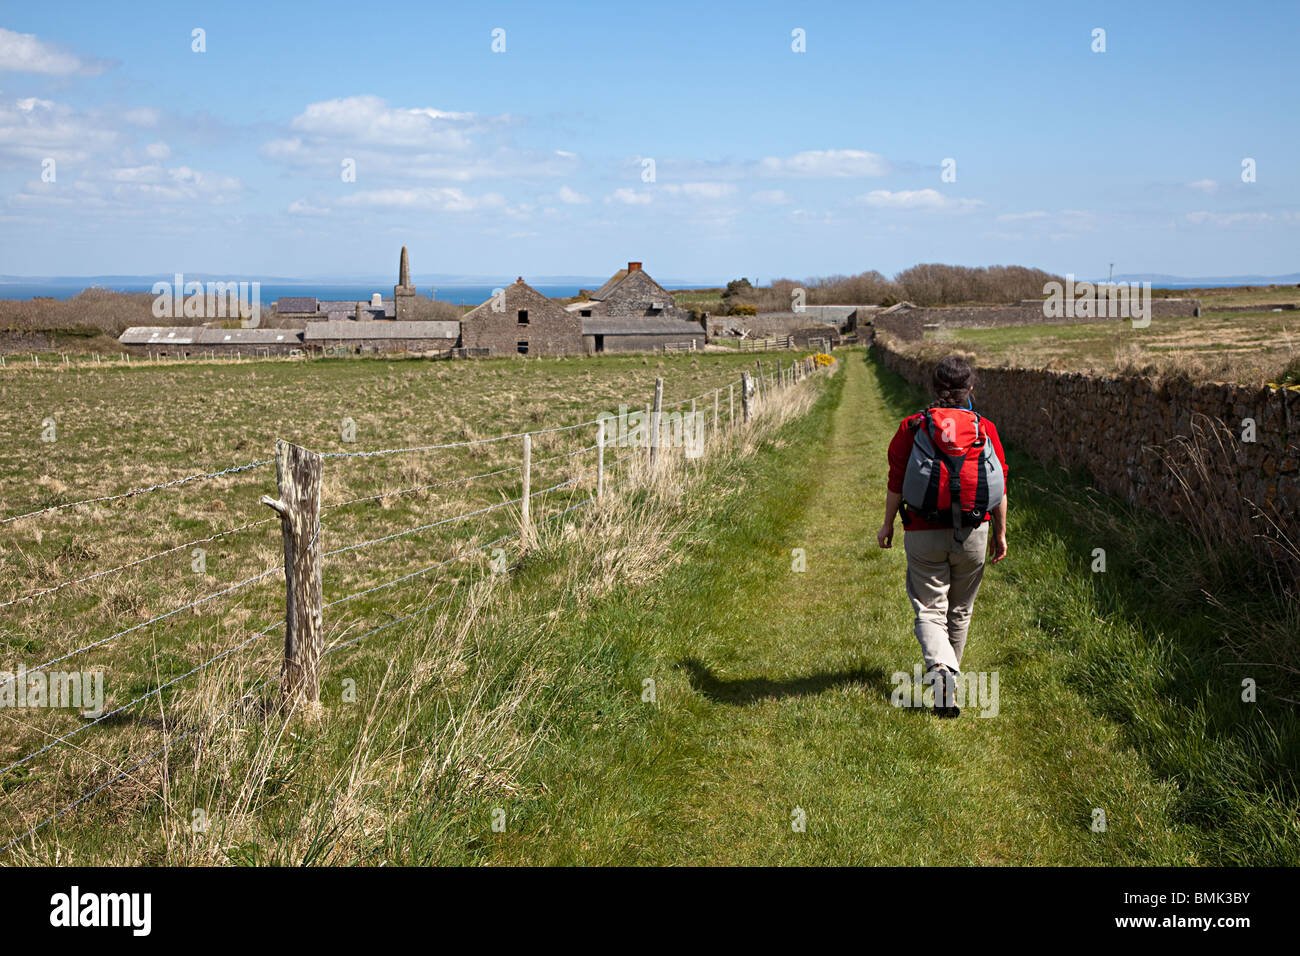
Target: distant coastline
[{"x": 456, "y": 294}]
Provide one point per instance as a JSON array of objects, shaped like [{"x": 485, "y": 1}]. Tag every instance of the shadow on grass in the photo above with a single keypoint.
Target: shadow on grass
[{"x": 751, "y": 690}]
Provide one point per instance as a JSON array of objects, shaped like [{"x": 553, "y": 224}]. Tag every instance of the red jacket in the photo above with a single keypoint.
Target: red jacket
[{"x": 900, "y": 449}]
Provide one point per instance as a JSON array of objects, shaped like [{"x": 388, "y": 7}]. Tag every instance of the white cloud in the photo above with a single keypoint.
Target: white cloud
[
  {"x": 393, "y": 145},
  {"x": 571, "y": 197},
  {"x": 827, "y": 164},
  {"x": 159, "y": 150},
  {"x": 24, "y": 53},
  {"x": 917, "y": 199},
  {"x": 770, "y": 197},
  {"x": 300, "y": 207},
  {"x": 629, "y": 197},
  {"x": 444, "y": 199},
  {"x": 1022, "y": 216},
  {"x": 1204, "y": 186},
  {"x": 33, "y": 129}
]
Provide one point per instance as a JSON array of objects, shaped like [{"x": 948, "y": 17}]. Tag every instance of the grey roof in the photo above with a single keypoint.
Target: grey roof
[
  {"x": 341, "y": 308},
  {"x": 160, "y": 335},
  {"x": 197, "y": 335},
  {"x": 220, "y": 337},
  {"x": 610, "y": 283},
  {"x": 343, "y": 329},
  {"x": 650, "y": 325},
  {"x": 296, "y": 303},
  {"x": 829, "y": 313}
]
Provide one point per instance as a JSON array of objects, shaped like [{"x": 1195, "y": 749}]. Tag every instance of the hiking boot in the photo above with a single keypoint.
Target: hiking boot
[{"x": 945, "y": 691}]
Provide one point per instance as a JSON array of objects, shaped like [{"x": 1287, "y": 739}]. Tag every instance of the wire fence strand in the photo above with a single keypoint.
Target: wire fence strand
[{"x": 135, "y": 492}]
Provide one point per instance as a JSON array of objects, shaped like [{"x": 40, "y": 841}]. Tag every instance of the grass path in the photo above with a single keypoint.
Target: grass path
[{"x": 773, "y": 693}]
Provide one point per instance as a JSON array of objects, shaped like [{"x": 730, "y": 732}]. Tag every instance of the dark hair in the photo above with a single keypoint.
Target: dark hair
[{"x": 952, "y": 381}]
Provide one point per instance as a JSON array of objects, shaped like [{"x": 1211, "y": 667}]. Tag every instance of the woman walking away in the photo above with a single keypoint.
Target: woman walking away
[{"x": 947, "y": 478}]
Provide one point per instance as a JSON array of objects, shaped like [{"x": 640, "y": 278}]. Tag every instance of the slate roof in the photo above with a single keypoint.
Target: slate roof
[
  {"x": 605, "y": 291},
  {"x": 220, "y": 337},
  {"x": 344, "y": 329},
  {"x": 160, "y": 335},
  {"x": 608, "y": 287},
  {"x": 650, "y": 325},
  {"x": 196, "y": 335},
  {"x": 296, "y": 303},
  {"x": 337, "y": 308}
]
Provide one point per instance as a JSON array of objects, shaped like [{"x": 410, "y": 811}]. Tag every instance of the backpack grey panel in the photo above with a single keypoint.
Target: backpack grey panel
[
  {"x": 997, "y": 481},
  {"x": 920, "y": 466}
]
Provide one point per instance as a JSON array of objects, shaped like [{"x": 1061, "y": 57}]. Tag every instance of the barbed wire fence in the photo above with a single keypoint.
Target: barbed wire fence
[{"x": 299, "y": 510}]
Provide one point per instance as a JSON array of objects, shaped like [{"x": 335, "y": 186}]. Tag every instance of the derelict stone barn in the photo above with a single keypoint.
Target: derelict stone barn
[
  {"x": 379, "y": 336},
  {"x": 520, "y": 321},
  {"x": 632, "y": 312},
  {"x": 196, "y": 340}
]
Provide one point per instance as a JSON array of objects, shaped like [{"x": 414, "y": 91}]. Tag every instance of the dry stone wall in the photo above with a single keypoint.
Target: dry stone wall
[{"x": 910, "y": 324}]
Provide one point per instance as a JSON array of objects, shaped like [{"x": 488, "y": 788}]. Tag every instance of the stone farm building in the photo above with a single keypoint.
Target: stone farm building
[
  {"x": 630, "y": 312},
  {"x": 196, "y": 340},
  {"x": 520, "y": 321}
]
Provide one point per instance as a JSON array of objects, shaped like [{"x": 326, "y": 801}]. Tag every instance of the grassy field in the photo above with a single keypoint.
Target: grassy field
[
  {"x": 1248, "y": 347},
  {"x": 1236, "y": 295},
  {"x": 117, "y": 428}
]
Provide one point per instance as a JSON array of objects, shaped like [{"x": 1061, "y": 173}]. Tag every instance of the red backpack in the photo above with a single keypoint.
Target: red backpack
[{"x": 953, "y": 473}]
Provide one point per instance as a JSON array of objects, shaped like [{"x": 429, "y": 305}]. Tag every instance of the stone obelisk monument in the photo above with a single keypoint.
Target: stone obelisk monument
[{"x": 404, "y": 292}]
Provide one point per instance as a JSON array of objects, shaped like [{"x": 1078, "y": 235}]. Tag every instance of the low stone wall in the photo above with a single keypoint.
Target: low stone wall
[
  {"x": 910, "y": 324},
  {"x": 1115, "y": 428}
]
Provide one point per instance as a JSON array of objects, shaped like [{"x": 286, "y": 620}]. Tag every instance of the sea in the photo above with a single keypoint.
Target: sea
[{"x": 458, "y": 294}]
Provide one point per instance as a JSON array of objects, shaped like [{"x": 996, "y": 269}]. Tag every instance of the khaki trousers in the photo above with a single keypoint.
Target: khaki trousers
[{"x": 943, "y": 578}]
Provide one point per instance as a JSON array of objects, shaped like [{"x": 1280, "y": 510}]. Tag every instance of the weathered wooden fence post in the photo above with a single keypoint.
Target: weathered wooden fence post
[
  {"x": 762, "y": 382},
  {"x": 746, "y": 388},
  {"x": 780, "y": 375},
  {"x": 715, "y": 410},
  {"x": 525, "y": 515},
  {"x": 600, "y": 459},
  {"x": 298, "y": 480},
  {"x": 731, "y": 404},
  {"x": 654, "y": 422}
]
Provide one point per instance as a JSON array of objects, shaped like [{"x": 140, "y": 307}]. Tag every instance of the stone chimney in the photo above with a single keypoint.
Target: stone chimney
[
  {"x": 376, "y": 300},
  {"x": 634, "y": 267}
]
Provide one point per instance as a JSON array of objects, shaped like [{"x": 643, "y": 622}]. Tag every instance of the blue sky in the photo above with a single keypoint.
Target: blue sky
[{"x": 530, "y": 161}]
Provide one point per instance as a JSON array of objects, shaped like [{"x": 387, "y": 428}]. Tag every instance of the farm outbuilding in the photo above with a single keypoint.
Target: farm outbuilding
[
  {"x": 196, "y": 340},
  {"x": 640, "y": 334},
  {"x": 630, "y": 294},
  {"x": 392, "y": 336},
  {"x": 521, "y": 321}
]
